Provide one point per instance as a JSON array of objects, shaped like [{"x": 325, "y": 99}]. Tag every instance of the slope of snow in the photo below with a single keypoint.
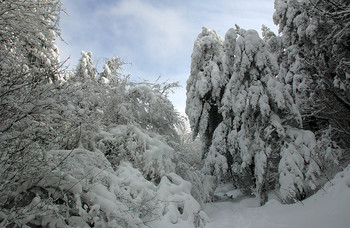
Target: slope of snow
[{"x": 329, "y": 207}]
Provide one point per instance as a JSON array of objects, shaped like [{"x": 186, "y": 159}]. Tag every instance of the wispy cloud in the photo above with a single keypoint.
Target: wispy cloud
[
  {"x": 160, "y": 31},
  {"x": 221, "y": 15},
  {"x": 155, "y": 36}
]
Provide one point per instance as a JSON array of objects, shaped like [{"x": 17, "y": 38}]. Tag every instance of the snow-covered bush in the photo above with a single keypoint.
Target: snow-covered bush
[
  {"x": 47, "y": 178},
  {"x": 78, "y": 190},
  {"x": 329, "y": 152},
  {"x": 188, "y": 160},
  {"x": 152, "y": 110},
  {"x": 147, "y": 151},
  {"x": 178, "y": 203},
  {"x": 89, "y": 100},
  {"x": 82, "y": 189},
  {"x": 203, "y": 184},
  {"x": 299, "y": 167}
]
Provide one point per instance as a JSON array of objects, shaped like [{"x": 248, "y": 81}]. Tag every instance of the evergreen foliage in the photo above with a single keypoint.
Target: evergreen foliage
[{"x": 263, "y": 107}]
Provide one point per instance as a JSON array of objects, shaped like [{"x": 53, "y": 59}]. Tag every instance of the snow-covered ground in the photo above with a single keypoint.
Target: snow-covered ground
[{"x": 328, "y": 208}]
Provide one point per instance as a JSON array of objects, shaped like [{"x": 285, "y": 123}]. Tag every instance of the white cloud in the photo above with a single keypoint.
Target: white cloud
[
  {"x": 220, "y": 15},
  {"x": 162, "y": 32}
]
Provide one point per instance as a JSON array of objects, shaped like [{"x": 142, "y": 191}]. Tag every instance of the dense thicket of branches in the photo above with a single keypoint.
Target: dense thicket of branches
[
  {"x": 273, "y": 113},
  {"x": 28, "y": 68},
  {"x": 315, "y": 63},
  {"x": 84, "y": 148}
]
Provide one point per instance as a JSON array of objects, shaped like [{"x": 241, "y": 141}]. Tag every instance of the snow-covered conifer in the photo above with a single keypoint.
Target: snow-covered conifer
[
  {"x": 315, "y": 62},
  {"x": 247, "y": 145},
  {"x": 85, "y": 68},
  {"x": 111, "y": 70},
  {"x": 205, "y": 86}
]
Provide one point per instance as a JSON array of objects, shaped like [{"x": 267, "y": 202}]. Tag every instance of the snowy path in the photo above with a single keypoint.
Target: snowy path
[
  {"x": 247, "y": 214},
  {"x": 329, "y": 208},
  {"x": 227, "y": 213}
]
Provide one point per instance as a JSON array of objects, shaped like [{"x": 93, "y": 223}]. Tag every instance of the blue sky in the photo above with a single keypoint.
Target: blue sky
[{"x": 155, "y": 36}]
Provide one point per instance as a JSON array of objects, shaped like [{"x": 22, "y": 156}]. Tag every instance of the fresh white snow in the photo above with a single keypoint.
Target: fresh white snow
[{"x": 328, "y": 208}]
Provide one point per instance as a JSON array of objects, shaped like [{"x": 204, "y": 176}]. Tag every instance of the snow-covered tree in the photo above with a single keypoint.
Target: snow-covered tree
[
  {"x": 28, "y": 62},
  {"x": 112, "y": 69},
  {"x": 258, "y": 113},
  {"x": 205, "y": 86},
  {"x": 29, "y": 72},
  {"x": 85, "y": 68},
  {"x": 96, "y": 100},
  {"x": 28, "y": 56},
  {"x": 86, "y": 149},
  {"x": 153, "y": 111},
  {"x": 28, "y": 31},
  {"x": 315, "y": 62}
]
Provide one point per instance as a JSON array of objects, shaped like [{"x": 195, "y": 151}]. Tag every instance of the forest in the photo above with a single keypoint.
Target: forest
[{"x": 269, "y": 118}]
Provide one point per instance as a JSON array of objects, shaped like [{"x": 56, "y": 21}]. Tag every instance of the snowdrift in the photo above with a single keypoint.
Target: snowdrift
[{"x": 329, "y": 207}]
